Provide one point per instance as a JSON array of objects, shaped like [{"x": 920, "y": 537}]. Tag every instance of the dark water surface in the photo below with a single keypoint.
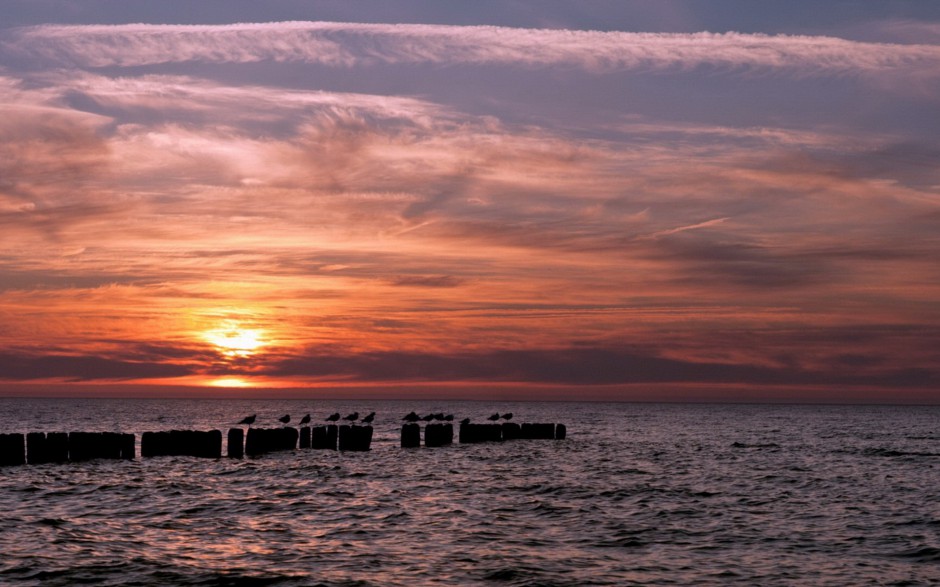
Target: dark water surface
[{"x": 638, "y": 494}]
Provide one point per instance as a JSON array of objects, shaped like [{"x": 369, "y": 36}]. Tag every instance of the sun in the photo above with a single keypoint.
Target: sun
[{"x": 234, "y": 340}]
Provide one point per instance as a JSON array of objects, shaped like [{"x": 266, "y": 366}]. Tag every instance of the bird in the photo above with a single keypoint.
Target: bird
[
  {"x": 507, "y": 416},
  {"x": 411, "y": 417},
  {"x": 493, "y": 417},
  {"x": 368, "y": 419},
  {"x": 333, "y": 417},
  {"x": 284, "y": 419},
  {"x": 439, "y": 416},
  {"x": 465, "y": 421},
  {"x": 428, "y": 418},
  {"x": 305, "y": 419},
  {"x": 352, "y": 417},
  {"x": 449, "y": 418},
  {"x": 249, "y": 419}
]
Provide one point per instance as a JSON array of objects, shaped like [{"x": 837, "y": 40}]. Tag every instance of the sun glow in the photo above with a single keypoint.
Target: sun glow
[{"x": 232, "y": 340}]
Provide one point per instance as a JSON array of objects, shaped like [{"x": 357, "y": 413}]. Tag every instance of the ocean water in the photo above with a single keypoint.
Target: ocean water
[{"x": 639, "y": 494}]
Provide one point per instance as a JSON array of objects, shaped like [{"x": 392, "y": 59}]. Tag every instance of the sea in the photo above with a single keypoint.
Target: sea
[{"x": 638, "y": 494}]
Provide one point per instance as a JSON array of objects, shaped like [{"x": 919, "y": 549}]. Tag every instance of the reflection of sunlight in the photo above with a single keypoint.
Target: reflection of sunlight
[
  {"x": 234, "y": 341},
  {"x": 230, "y": 382}
]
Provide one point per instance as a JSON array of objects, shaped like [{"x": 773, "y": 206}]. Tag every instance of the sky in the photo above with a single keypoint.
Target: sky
[{"x": 621, "y": 200}]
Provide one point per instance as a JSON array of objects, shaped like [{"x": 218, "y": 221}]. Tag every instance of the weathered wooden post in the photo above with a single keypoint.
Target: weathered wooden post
[
  {"x": 410, "y": 435},
  {"x": 511, "y": 431},
  {"x": 324, "y": 437},
  {"x": 128, "y": 448},
  {"x": 438, "y": 435},
  {"x": 36, "y": 453},
  {"x": 560, "y": 432},
  {"x": 538, "y": 431},
  {"x": 305, "y": 437},
  {"x": 57, "y": 447},
  {"x": 12, "y": 449},
  {"x": 236, "y": 443},
  {"x": 355, "y": 438}
]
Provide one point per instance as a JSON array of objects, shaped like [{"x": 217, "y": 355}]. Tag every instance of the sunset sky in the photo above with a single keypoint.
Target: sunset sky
[{"x": 711, "y": 199}]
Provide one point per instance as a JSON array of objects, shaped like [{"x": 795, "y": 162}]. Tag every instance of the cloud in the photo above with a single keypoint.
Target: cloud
[
  {"x": 83, "y": 368},
  {"x": 349, "y": 44}
]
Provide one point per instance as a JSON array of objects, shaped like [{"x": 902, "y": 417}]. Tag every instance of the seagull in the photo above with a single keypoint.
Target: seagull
[
  {"x": 493, "y": 417},
  {"x": 249, "y": 419},
  {"x": 439, "y": 416},
  {"x": 412, "y": 417},
  {"x": 305, "y": 419},
  {"x": 428, "y": 418},
  {"x": 449, "y": 418},
  {"x": 507, "y": 416},
  {"x": 368, "y": 419},
  {"x": 465, "y": 421},
  {"x": 333, "y": 417},
  {"x": 284, "y": 419},
  {"x": 352, "y": 417}
]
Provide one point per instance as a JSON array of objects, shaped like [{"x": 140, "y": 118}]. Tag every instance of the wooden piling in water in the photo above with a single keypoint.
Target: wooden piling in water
[
  {"x": 410, "y": 435},
  {"x": 438, "y": 435},
  {"x": 561, "y": 432},
  {"x": 324, "y": 437},
  {"x": 355, "y": 438},
  {"x": 57, "y": 447},
  {"x": 236, "y": 443},
  {"x": 472, "y": 433},
  {"x": 511, "y": 431},
  {"x": 538, "y": 431},
  {"x": 36, "y": 453},
  {"x": 12, "y": 449},
  {"x": 84, "y": 446},
  {"x": 305, "y": 437}
]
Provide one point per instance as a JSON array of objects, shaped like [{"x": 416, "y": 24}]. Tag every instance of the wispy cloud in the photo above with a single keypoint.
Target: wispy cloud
[{"x": 343, "y": 45}]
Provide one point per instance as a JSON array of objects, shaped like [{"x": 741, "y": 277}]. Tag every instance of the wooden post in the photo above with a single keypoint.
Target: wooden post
[
  {"x": 511, "y": 431},
  {"x": 410, "y": 435},
  {"x": 12, "y": 449},
  {"x": 36, "y": 453},
  {"x": 236, "y": 443},
  {"x": 560, "y": 432},
  {"x": 305, "y": 437}
]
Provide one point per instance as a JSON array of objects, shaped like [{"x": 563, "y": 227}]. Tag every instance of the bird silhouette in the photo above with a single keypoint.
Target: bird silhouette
[
  {"x": 352, "y": 417},
  {"x": 449, "y": 418},
  {"x": 249, "y": 419},
  {"x": 284, "y": 419},
  {"x": 428, "y": 418},
  {"x": 305, "y": 419},
  {"x": 333, "y": 417},
  {"x": 493, "y": 417},
  {"x": 439, "y": 416},
  {"x": 368, "y": 419},
  {"x": 465, "y": 421},
  {"x": 507, "y": 416},
  {"x": 411, "y": 417}
]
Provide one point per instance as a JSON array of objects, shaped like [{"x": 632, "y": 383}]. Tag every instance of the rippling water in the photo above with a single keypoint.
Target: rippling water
[{"x": 637, "y": 494}]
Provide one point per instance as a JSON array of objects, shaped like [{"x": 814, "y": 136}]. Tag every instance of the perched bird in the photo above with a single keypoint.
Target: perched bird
[
  {"x": 368, "y": 419},
  {"x": 249, "y": 419},
  {"x": 507, "y": 416},
  {"x": 449, "y": 418},
  {"x": 352, "y": 417},
  {"x": 333, "y": 417},
  {"x": 305, "y": 419},
  {"x": 411, "y": 417},
  {"x": 284, "y": 419},
  {"x": 439, "y": 417},
  {"x": 428, "y": 418},
  {"x": 493, "y": 417},
  {"x": 465, "y": 421}
]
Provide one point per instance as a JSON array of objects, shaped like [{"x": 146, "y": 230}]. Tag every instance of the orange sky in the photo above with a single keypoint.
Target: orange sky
[{"x": 345, "y": 208}]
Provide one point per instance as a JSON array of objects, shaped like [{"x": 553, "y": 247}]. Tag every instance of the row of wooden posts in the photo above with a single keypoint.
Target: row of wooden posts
[
  {"x": 443, "y": 434},
  {"x": 54, "y": 447}
]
